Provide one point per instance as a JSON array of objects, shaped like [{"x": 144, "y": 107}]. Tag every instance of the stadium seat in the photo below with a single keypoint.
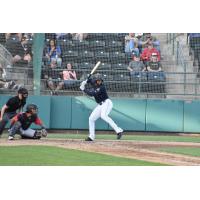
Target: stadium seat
[
  {"x": 102, "y": 56},
  {"x": 97, "y": 45},
  {"x": 119, "y": 66},
  {"x": 70, "y": 56},
  {"x": 94, "y": 36},
  {"x": 115, "y": 46},
  {"x": 156, "y": 82},
  {"x": 117, "y": 57},
  {"x": 86, "y": 56},
  {"x": 80, "y": 45}
]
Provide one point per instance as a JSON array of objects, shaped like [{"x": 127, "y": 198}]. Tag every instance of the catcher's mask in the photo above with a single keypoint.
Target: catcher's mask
[
  {"x": 24, "y": 92},
  {"x": 32, "y": 108}
]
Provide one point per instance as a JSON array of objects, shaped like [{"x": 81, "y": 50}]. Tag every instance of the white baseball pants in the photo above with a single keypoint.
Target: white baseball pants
[{"x": 103, "y": 112}]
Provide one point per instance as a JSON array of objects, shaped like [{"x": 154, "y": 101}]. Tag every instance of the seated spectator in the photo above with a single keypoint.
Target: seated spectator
[
  {"x": 52, "y": 77},
  {"x": 155, "y": 76},
  {"x": 136, "y": 67},
  {"x": 131, "y": 44},
  {"x": 149, "y": 38},
  {"x": 141, "y": 44},
  {"x": 23, "y": 51},
  {"x": 9, "y": 85},
  {"x": 79, "y": 36},
  {"x": 28, "y": 36},
  {"x": 13, "y": 36},
  {"x": 147, "y": 52},
  {"x": 5, "y": 83},
  {"x": 54, "y": 53},
  {"x": 20, "y": 50},
  {"x": 63, "y": 36},
  {"x": 154, "y": 65},
  {"x": 68, "y": 77}
]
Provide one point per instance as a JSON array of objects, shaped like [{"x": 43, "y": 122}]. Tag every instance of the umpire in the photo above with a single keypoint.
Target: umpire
[{"x": 9, "y": 110}]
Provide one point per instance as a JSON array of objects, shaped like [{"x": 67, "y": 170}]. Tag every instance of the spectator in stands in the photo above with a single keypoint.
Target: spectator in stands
[
  {"x": 148, "y": 38},
  {"x": 131, "y": 44},
  {"x": 147, "y": 52},
  {"x": 52, "y": 77},
  {"x": 13, "y": 36},
  {"x": 140, "y": 42},
  {"x": 4, "y": 83},
  {"x": 79, "y": 36},
  {"x": 20, "y": 50},
  {"x": 136, "y": 66},
  {"x": 28, "y": 36},
  {"x": 68, "y": 76},
  {"x": 54, "y": 53},
  {"x": 154, "y": 65},
  {"x": 63, "y": 36}
]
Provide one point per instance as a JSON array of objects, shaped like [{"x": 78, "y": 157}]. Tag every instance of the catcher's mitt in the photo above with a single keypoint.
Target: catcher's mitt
[{"x": 43, "y": 132}]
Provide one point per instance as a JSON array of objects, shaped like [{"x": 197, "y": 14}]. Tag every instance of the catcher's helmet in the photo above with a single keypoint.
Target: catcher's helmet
[
  {"x": 31, "y": 107},
  {"x": 23, "y": 91}
]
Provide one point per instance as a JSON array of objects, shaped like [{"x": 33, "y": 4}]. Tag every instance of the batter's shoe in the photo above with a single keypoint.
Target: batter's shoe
[
  {"x": 88, "y": 139},
  {"x": 119, "y": 135}
]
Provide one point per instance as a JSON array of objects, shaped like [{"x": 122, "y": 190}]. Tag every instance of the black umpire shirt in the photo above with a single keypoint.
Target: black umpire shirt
[{"x": 14, "y": 103}]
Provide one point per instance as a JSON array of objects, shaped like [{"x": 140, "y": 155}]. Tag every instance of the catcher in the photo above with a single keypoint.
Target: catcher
[{"x": 22, "y": 121}]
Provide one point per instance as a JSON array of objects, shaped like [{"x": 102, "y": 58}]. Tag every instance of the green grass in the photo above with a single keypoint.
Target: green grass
[
  {"x": 54, "y": 156},
  {"x": 190, "y": 151},
  {"x": 166, "y": 138}
]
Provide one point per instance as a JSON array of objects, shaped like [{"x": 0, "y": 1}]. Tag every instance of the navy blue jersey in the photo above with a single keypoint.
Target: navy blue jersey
[{"x": 98, "y": 92}]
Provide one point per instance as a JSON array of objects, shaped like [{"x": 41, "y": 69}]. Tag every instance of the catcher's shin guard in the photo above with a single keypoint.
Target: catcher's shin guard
[
  {"x": 37, "y": 135},
  {"x": 15, "y": 128}
]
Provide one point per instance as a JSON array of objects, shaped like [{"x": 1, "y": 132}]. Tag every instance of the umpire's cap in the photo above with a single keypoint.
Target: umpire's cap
[
  {"x": 23, "y": 91},
  {"x": 31, "y": 107}
]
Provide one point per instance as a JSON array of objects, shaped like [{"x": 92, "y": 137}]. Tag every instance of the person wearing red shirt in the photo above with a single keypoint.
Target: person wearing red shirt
[{"x": 147, "y": 52}]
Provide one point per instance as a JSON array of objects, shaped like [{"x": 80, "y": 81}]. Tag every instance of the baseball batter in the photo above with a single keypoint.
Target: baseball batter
[{"x": 104, "y": 107}]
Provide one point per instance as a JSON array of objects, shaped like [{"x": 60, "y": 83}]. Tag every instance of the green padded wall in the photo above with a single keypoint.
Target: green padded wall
[
  {"x": 43, "y": 103},
  {"x": 81, "y": 109},
  {"x": 164, "y": 115},
  {"x": 192, "y": 116},
  {"x": 60, "y": 112},
  {"x": 3, "y": 100},
  {"x": 129, "y": 114}
]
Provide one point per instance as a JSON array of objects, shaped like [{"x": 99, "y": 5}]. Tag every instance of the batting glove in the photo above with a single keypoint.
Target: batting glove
[{"x": 82, "y": 87}]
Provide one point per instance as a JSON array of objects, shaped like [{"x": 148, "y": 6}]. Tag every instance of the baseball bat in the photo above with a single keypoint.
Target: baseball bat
[{"x": 94, "y": 69}]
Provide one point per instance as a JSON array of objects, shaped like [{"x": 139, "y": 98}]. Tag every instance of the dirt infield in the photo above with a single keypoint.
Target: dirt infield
[{"x": 128, "y": 149}]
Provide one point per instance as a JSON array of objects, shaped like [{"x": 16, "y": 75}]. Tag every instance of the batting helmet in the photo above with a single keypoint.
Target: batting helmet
[
  {"x": 98, "y": 79},
  {"x": 31, "y": 107}
]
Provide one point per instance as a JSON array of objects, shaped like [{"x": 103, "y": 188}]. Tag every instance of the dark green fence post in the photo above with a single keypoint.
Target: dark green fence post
[{"x": 38, "y": 46}]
